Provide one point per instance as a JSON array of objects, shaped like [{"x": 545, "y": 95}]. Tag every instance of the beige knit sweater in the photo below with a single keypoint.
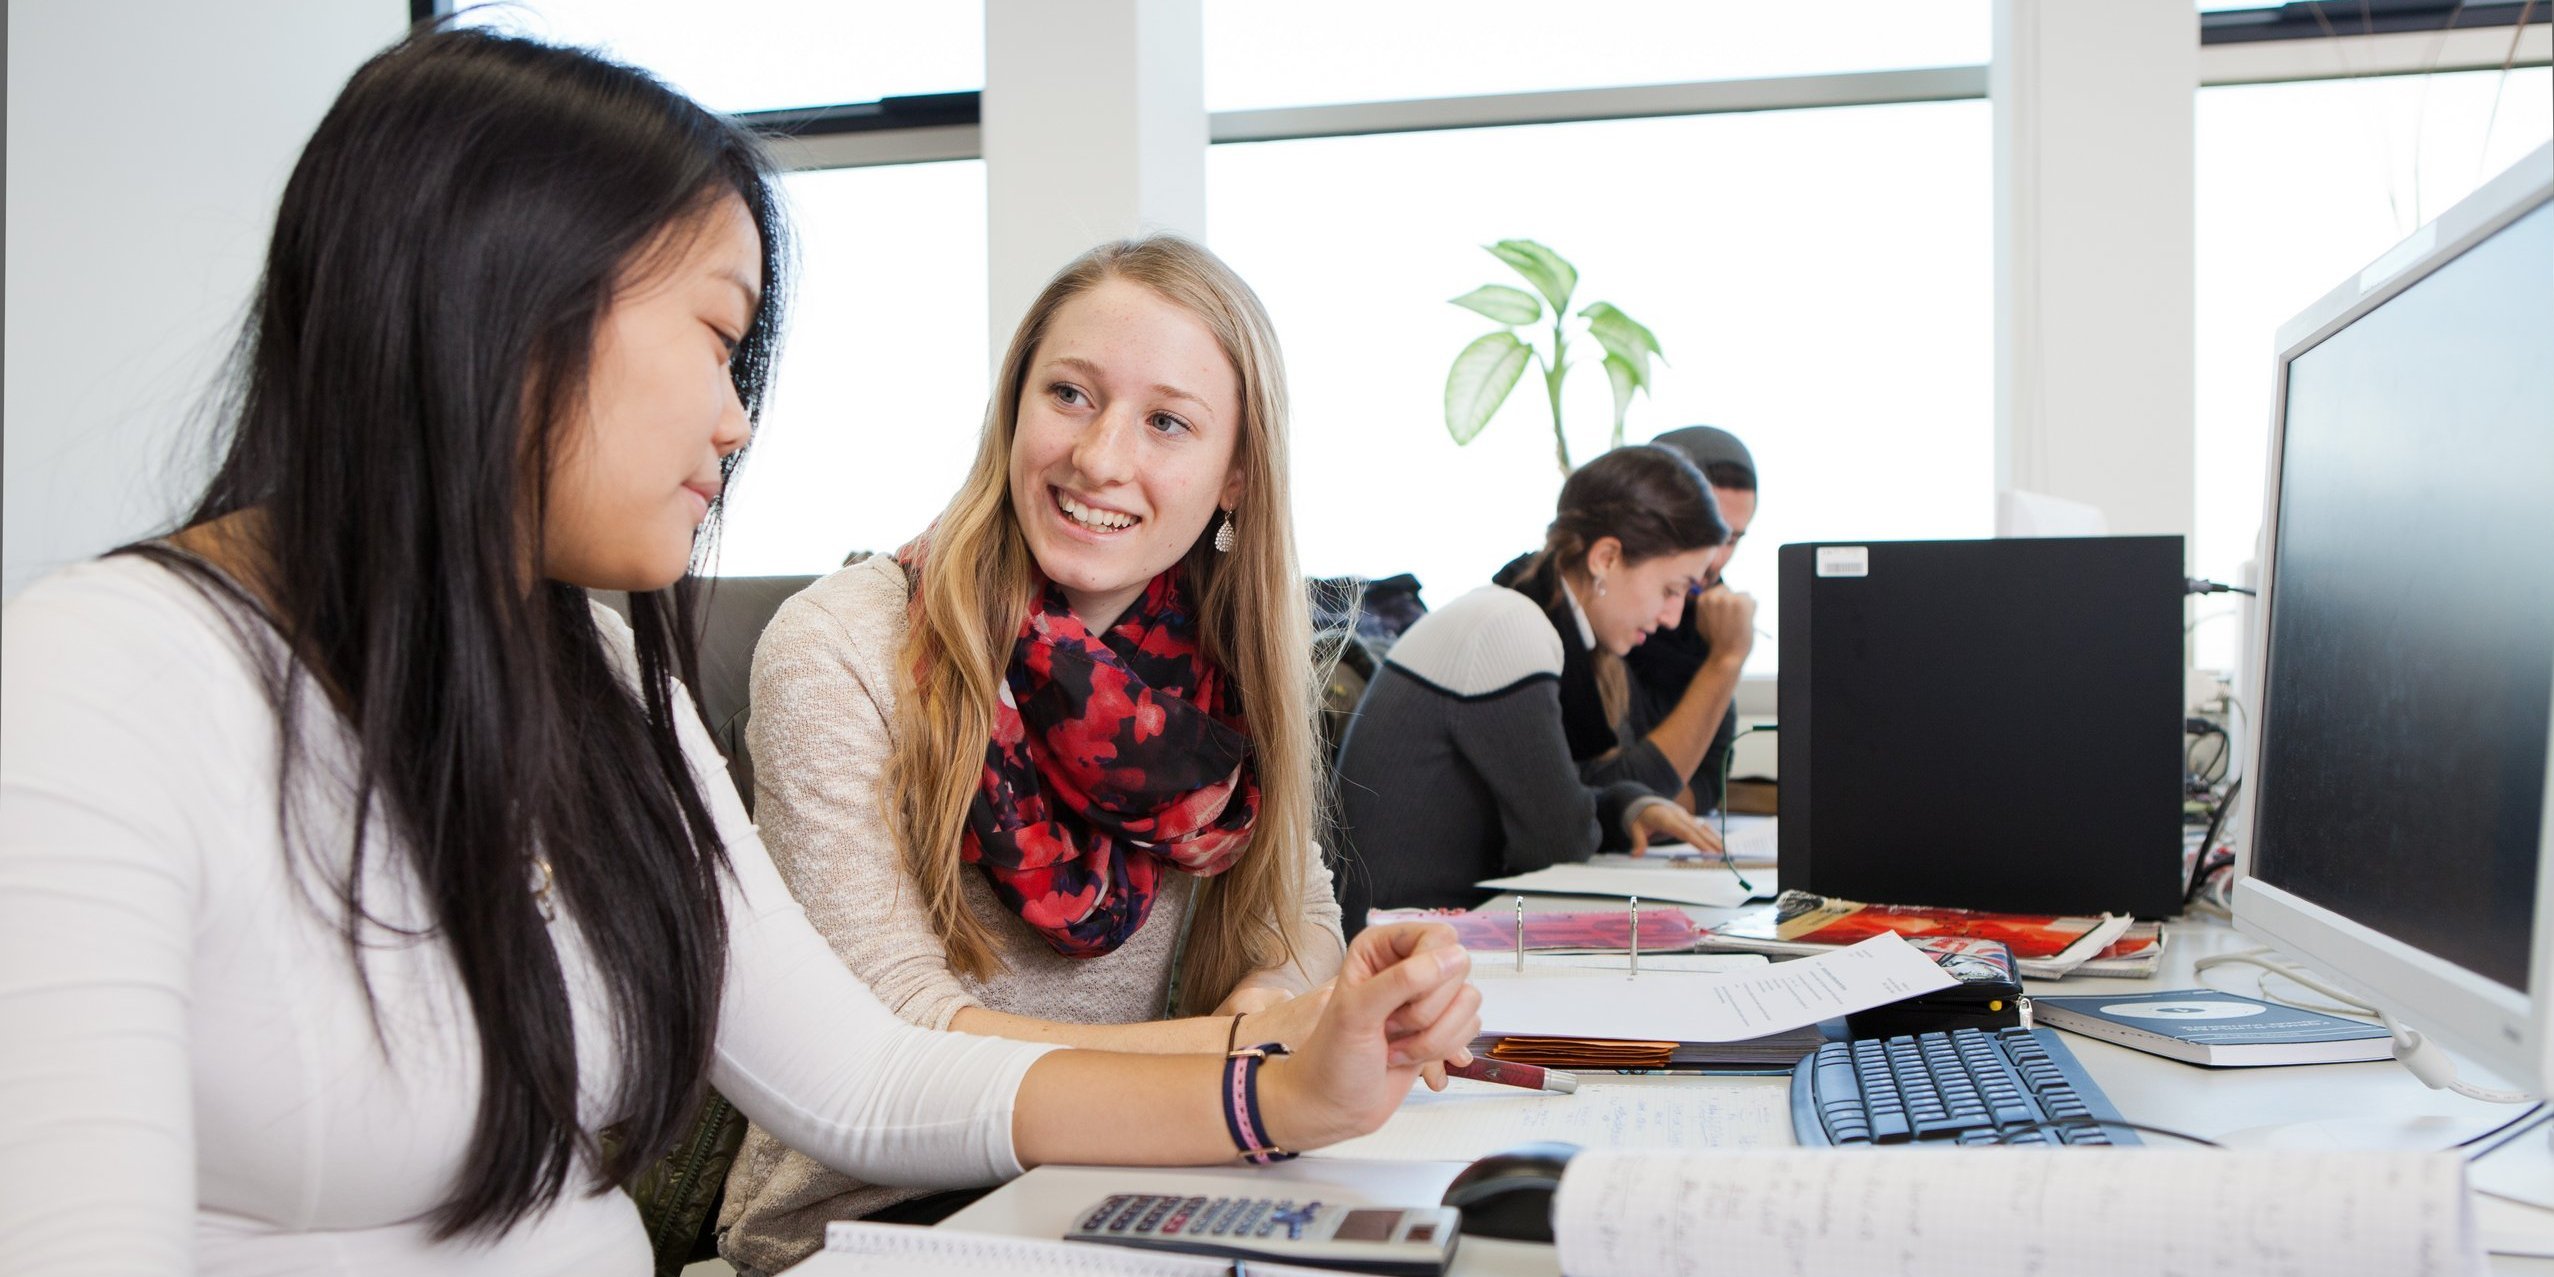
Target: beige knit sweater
[{"x": 824, "y": 699}]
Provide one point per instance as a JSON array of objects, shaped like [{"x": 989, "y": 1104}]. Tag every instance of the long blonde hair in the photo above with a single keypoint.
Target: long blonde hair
[{"x": 975, "y": 587}]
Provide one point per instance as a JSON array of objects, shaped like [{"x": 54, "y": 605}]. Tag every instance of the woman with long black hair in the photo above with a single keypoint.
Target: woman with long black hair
[{"x": 356, "y": 873}]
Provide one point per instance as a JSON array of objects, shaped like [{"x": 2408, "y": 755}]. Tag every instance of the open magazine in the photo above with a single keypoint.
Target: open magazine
[{"x": 2045, "y": 946}]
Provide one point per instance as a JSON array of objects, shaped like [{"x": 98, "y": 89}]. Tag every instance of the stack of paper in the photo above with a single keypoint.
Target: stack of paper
[
  {"x": 1716, "y": 1007},
  {"x": 1470, "y": 1120},
  {"x": 1751, "y": 842}
]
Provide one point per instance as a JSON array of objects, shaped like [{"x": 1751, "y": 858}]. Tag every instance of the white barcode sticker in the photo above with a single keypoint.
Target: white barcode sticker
[{"x": 1844, "y": 560}]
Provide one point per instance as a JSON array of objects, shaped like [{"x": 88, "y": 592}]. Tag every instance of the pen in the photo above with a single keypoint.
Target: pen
[
  {"x": 1520, "y": 933},
  {"x": 1532, "y": 1077},
  {"x": 1636, "y": 938}
]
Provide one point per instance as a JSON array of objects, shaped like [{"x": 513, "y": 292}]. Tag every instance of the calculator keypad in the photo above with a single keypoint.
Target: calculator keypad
[
  {"x": 1161, "y": 1215},
  {"x": 1359, "y": 1238}
]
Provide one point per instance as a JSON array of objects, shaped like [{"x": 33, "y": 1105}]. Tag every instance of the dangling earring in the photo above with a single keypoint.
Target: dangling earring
[
  {"x": 1600, "y": 585},
  {"x": 1224, "y": 535}
]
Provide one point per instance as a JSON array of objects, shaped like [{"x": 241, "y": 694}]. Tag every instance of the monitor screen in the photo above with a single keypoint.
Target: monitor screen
[{"x": 2410, "y": 657}]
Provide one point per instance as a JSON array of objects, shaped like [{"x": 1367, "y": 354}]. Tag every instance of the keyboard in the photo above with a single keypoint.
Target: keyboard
[{"x": 1965, "y": 1086}]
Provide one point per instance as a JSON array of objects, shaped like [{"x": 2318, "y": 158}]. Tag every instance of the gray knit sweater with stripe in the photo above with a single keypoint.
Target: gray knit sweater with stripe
[{"x": 1456, "y": 768}]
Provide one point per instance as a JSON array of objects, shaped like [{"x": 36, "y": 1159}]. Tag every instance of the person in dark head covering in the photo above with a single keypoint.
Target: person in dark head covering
[{"x": 1684, "y": 680}]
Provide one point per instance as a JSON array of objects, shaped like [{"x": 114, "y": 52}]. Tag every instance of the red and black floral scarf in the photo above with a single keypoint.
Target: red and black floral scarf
[{"x": 1112, "y": 757}]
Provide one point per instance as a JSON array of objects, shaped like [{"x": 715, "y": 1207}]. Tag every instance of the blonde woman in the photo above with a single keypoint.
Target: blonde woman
[{"x": 1047, "y": 772}]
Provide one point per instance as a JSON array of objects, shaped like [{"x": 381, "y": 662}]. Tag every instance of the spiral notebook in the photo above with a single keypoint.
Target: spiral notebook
[{"x": 2086, "y": 1213}]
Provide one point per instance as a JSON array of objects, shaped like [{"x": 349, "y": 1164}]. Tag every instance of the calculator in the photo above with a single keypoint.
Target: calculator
[{"x": 1416, "y": 1240}]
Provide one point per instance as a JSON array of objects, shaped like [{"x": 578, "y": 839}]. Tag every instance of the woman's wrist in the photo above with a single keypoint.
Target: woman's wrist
[
  {"x": 1717, "y": 670},
  {"x": 1291, "y": 1118},
  {"x": 1632, "y": 811}
]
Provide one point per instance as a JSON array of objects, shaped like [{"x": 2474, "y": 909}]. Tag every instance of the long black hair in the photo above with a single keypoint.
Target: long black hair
[{"x": 443, "y": 254}]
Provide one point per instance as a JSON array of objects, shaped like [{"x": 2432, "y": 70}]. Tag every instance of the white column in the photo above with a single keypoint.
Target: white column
[
  {"x": 1094, "y": 129},
  {"x": 2093, "y": 260}
]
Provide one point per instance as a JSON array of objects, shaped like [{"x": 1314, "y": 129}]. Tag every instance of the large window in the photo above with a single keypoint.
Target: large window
[
  {"x": 1310, "y": 52},
  {"x": 1820, "y": 280},
  {"x": 761, "y": 55},
  {"x": 2298, "y": 186},
  {"x": 881, "y": 385}
]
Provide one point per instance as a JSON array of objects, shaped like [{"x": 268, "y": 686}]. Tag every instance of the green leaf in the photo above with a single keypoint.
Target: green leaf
[
  {"x": 1626, "y": 382},
  {"x": 1502, "y": 303},
  {"x": 1480, "y": 381},
  {"x": 1551, "y": 276},
  {"x": 1623, "y": 337}
]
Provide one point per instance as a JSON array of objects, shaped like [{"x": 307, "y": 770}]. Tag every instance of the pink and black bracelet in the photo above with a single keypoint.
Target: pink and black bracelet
[{"x": 1241, "y": 1103}]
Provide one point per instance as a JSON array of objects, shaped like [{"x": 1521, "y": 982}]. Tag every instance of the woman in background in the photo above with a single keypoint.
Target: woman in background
[
  {"x": 1463, "y": 761},
  {"x": 1047, "y": 773},
  {"x": 356, "y": 873}
]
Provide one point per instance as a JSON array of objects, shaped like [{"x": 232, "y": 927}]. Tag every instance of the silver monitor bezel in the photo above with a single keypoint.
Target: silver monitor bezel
[{"x": 2494, "y": 1026}]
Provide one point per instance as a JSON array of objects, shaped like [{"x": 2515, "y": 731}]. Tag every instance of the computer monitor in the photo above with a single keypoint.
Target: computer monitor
[{"x": 2396, "y": 818}]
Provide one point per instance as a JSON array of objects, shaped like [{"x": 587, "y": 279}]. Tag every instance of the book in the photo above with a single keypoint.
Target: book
[
  {"x": 2219, "y": 1030},
  {"x": 2045, "y": 946},
  {"x": 2137, "y": 954},
  {"x": 1772, "y": 1052},
  {"x": 1766, "y": 1054},
  {"x": 1763, "y": 1017}
]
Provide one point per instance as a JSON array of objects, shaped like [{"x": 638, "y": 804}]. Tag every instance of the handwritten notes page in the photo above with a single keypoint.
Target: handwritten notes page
[
  {"x": 1470, "y": 1120},
  {"x": 1961, "y": 1212},
  {"x": 1675, "y": 1006}
]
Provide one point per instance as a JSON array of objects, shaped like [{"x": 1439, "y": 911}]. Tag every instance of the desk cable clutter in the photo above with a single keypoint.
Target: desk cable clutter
[{"x": 2418, "y": 1054}]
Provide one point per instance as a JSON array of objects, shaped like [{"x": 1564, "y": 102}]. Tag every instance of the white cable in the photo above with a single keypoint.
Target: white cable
[{"x": 2426, "y": 1059}]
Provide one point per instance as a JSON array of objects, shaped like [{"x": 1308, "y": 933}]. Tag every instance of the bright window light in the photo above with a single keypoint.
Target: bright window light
[
  {"x": 1307, "y": 52},
  {"x": 761, "y": 55},
  {"x": 2298, "y": 186},
  {"x": 880, "y": 390},
  {"x": 1821, "y": 282}
]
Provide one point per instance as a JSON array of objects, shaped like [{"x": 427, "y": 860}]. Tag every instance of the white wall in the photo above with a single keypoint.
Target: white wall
[
  {"x": 148, "y": 142},
  {"x": 2093, "y": 255},
  {"x": 1094, "y": 129}
]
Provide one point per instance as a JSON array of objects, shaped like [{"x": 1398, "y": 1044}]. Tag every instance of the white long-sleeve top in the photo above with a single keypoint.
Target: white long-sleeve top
[{"x": 190, "y": 1078}]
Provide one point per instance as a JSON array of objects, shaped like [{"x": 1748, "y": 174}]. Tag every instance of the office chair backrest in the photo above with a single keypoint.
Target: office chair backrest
[
  {"x": 1347, "y": 663},
  {"x": 733, "y": 614},
  {"x": 737, "y": 609}
]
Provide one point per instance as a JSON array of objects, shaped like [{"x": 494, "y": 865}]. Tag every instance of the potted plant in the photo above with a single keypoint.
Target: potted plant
[{"x": 1490, "y": 367}]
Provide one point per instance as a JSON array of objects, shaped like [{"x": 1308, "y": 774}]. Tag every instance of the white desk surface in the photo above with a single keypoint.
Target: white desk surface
[{"x": 2209, "y": 1102}]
